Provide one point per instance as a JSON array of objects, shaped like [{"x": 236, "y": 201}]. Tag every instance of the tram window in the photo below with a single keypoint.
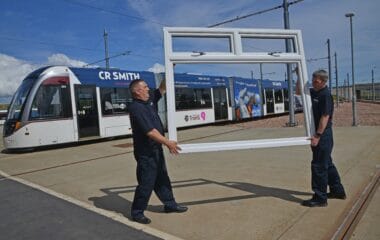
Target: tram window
[
  {"x": 192, "y": 98},
  {"x": 51, "y": 101},
  {"x": 114, "y": 100},
  {"x": 269, "y": 94},
  {"x": 286, "y": 95},
  {"x": 278, "y": 96}
]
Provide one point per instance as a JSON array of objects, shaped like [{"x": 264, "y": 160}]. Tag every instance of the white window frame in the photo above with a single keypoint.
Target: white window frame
[{"x": 236, "y": 55}]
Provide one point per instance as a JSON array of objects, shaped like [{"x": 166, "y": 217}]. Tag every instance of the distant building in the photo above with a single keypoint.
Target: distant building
[{"x": 363, "y": 91}]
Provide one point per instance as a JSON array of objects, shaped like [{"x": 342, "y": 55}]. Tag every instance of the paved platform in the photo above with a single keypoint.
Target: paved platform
[
  {"x": 247, "y": 194},
  {"x": 28, "y": 213}
]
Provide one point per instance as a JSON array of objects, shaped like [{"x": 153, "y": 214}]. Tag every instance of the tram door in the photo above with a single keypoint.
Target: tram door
[
  {"x": 87, "y": 110},
  {"x": 269, "y": 100},
  {"x": 220, "y": 103},
  {"x": 286, "y": 100}
]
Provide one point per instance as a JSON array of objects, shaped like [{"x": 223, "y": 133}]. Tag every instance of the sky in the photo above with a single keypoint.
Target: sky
[{"x": 70, "y": 32}]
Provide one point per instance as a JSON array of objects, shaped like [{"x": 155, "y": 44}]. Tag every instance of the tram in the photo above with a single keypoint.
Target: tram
[
  {"x": 58, "y": 104},
  {"x": 55, "y": 105}
]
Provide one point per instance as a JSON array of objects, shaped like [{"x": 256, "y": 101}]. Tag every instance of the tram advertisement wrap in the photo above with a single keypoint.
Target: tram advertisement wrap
[{"x": 247, "y": 98}]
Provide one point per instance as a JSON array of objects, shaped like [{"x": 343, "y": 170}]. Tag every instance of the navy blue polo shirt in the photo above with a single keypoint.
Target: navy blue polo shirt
[
  {"x": 323, "y": 104},
  {"x": 144, "y": 118}
]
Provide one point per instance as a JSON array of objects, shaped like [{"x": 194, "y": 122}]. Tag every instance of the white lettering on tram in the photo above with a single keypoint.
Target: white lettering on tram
[
  {"x": 126, "y": 76},
  {"x": 104, "y": 75}
]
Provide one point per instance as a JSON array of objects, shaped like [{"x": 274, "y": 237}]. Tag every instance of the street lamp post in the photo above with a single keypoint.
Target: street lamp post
[
  {"x": 336, "y": 80},
  {"x": 350, "y": 15}
]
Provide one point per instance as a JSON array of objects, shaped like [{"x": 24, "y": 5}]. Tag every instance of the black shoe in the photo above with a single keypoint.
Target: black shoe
[
  {"x": 142, "y": 219},
  {"x": 314, "y": 203},
  {"x": 177, "y": 208},
  {"x": 336, "y": 195}
]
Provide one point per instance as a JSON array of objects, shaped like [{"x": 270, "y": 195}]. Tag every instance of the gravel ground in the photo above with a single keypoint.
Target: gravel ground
[{"x": 368, "y": 114}]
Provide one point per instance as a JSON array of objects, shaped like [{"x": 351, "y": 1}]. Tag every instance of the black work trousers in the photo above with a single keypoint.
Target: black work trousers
[
  {"x": 151, "y": 175},
  {"x": 323, "y": 170}
]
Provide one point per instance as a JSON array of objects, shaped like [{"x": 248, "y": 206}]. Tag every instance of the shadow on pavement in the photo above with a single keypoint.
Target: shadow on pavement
[{"x": 112, "y": 201}]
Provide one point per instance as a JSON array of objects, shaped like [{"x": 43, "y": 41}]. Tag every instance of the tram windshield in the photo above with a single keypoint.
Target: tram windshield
[{"x": 19, "y": 99}]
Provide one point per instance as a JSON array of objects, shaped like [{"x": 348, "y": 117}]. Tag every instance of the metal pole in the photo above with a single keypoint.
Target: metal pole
[
  {"x": 106, "y": 49},
  {"x": 373, "y": 86},
  {"x": 348, "y": 86},
  {"x": 346, "y": 91},
  {"x": 350, "y": 15},
  {"x": 292, "y": 121},
  {"x": 336, "y": 80},
  {"x": 261, "y": 71},
  {"x": 329, "y": 62}
]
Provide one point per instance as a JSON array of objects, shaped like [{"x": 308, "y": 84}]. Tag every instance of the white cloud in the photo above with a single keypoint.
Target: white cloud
[
  {"x": 157, "y": 68},
  {"x": 62, "y": 59},
  {"x": 14, "y": 70}
]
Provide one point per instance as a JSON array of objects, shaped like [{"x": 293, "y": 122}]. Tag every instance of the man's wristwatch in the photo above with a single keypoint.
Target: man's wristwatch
[{"x": 317, "y": 135}]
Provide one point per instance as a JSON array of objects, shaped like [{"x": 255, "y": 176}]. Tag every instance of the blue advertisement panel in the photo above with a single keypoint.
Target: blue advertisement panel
[
  {"x": 112, "y": 78},
  {"x": 183, "y": 80},
  {"x": 247, "y": 98}
]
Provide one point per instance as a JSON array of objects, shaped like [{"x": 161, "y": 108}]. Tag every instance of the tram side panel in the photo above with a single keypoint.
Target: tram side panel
[
  {"x": 280, "y": 97},
  {"x": 201, "y": 100},
  {"x": 273, "y": 94}
]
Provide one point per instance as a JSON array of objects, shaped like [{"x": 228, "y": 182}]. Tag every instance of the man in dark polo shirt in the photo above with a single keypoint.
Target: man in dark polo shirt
[
  {"x": 323, "y": 170},
  {"x": 148, "y": 137}
]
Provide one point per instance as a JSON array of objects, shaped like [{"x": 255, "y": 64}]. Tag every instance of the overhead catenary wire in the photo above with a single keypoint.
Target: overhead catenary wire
[
  {"x": 117, "y": 55},
  {"x": 47, "y": 43},
  {"x": 251, "y": 14},
  {"x": 114, "y": 12},
  {"x": 136, "y": 18},
  {"x": 316, "y": 59}
]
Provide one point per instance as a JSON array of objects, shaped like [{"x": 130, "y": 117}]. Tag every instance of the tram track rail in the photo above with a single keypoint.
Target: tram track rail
[{"x": 353, "y": 215}]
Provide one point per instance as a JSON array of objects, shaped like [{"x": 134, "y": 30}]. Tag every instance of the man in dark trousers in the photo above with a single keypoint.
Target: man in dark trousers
[
  {"x": 148, "y": 137},
  {"x": 323, "y": 171}
]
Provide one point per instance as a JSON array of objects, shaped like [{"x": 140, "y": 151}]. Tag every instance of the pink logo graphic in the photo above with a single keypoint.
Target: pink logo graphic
[{"x": 203, "y": 116}]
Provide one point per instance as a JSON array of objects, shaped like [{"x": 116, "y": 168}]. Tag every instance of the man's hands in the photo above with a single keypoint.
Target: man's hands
[
  {"x": 173, "y": 147},
  {"x": 314, "y": 141}
]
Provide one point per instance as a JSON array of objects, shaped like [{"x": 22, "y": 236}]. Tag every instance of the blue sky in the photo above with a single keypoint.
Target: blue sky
[{"x": 40, "y": 32}]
